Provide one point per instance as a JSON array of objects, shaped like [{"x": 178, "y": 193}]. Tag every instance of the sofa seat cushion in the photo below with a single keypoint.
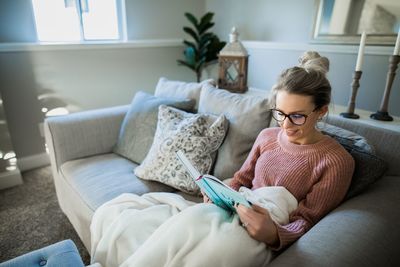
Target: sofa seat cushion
[{"x": 101, "y": 178}]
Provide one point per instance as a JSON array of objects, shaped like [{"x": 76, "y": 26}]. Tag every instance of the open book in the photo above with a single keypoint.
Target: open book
[{"x": 218, "y": 192}]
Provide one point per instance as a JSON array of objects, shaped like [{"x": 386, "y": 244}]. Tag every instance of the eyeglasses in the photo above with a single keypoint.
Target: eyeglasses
[{"x": 296, "y": 119}]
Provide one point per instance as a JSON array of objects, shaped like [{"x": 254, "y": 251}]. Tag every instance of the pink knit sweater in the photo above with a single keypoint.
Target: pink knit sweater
[{"x": 317, "y": 175}]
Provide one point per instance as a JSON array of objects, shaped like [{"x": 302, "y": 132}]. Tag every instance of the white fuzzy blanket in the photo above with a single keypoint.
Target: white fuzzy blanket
[{"x": 164, "y": 229}]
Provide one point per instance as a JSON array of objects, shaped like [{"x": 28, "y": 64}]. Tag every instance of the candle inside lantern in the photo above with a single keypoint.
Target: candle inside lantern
[
  {"x": 396, "y": 51},
  {"x": 361, "y": 52}
]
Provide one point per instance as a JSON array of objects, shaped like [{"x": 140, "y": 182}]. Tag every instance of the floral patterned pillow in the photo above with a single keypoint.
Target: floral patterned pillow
[{"x": 197, "y": 135}]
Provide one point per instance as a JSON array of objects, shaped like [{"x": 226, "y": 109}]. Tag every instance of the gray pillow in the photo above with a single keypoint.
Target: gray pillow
[
  {"x": 140, "y": 122},
  {"x": 247, "y": 115},
  {"x": 346, "y": 137},
  {"x": 368, "y": 167}
]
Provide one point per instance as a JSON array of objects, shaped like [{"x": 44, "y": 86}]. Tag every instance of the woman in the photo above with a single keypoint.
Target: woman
[{"x": 313, "y": 167}]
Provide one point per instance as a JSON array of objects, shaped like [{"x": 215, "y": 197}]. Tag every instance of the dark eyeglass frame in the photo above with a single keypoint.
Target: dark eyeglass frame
[{"x": 289, "y": 116}]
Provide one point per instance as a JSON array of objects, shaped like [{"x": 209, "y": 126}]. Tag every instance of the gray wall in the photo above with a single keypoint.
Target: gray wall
[
  {"x": 291, "y": 22},
  {"x": 22, "y": 110},
  {"x": 82, "y": 78},
  {"x": 103, "y": 77}
]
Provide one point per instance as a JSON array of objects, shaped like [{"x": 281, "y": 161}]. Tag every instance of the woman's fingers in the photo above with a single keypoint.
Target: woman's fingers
[
  {"x": 244, "y": 214},
  {"x": 206, "y": 199},
  {"x": 252, "y": 216},
  {"x": 259, "y": 209}
]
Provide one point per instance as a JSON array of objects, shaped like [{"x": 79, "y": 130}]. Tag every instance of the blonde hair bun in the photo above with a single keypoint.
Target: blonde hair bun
[{"x": 312, "y": 60}]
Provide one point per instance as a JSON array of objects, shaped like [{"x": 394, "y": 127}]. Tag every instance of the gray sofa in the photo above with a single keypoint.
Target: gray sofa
[{"x": 362, "y": 231}]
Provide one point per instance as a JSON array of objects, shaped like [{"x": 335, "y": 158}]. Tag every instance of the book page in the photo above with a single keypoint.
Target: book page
[{"x": 188, "y": 165}]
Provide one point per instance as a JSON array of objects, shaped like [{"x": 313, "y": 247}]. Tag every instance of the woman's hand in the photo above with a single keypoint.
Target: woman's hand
[
  {"x": 258, "y": 223},
  {"x": 205, "y": 198}
]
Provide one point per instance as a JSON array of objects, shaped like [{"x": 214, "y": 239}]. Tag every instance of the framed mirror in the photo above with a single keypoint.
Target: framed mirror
[{"x": 343, "y": 21}]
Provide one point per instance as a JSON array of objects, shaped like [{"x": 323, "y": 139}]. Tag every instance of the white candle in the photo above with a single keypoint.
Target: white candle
[
  {"x": 397, "y": 46},
  {"x": 361, "y": 52}
]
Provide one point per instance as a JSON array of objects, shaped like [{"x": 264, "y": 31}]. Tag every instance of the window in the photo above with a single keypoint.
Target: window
[{"x": 78, "y": 20}]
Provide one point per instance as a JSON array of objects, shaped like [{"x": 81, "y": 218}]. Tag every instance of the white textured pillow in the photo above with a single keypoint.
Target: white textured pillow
[
  {"x": 181, "y": 90},
  {"x": 198, "y": 135}
]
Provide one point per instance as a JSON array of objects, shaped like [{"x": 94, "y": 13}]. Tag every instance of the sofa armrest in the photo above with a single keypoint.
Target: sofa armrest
[
  {"x": 363, "y": 231},
  {"x": 83, "y": 134}
]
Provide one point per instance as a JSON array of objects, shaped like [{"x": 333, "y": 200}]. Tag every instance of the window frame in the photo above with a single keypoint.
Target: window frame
[{"x": 121, "y": 22}]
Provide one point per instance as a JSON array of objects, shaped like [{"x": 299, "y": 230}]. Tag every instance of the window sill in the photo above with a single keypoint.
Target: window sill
[{"x": 12, "y": 47}]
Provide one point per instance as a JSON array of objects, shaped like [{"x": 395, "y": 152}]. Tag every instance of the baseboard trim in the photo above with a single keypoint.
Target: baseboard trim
[
  {"x": 10, "y": 179},
  {"x": 33, "y": 162}
]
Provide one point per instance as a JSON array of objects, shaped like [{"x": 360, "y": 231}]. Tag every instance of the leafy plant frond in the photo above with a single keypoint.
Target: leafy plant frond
[
  {"x": 192, "y": 19},
  {"x": 181, "y": 62},
  {"x": 206, "y": 19},
  {"x": 205, "y": 27},
  {"x": 205, "y": 46},
  {"x": 192, "y": 33},
  {"x": 199, "y": 64},
  {"x": 205, "y": 38}
]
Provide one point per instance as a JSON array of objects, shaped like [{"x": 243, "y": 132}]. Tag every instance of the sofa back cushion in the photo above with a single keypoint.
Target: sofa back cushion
[
  {"x": 181, "y": 90},
  {"x": 140, "y": 122},
  {"x": 247, "y": 115}
]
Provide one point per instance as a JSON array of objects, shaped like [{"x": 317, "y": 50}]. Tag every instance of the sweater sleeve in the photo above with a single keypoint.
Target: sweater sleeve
[
  {"x": 324, "y": 196},
  {"x": 245, "y": 175}
]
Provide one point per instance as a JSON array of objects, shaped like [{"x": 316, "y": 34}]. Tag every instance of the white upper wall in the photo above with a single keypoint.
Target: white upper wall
[
  {"x": 159, "y": 19},
  {"x": 264, "y": 20}
]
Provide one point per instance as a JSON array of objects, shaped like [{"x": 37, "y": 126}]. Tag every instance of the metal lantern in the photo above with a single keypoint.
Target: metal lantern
[{"x": 233, "y": 62}]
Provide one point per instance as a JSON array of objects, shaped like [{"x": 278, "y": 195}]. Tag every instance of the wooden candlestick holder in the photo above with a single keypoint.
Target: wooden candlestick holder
[
  {"x": 352, "y": 102},
  {"x": 382, "y": 114}
]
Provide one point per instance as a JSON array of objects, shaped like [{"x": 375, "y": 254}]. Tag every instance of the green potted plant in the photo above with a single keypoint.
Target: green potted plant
[{"x": 203, "y": 49}]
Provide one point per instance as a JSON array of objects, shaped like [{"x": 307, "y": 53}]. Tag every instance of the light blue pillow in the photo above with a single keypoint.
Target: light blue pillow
[{"x": 140, "y": 122}]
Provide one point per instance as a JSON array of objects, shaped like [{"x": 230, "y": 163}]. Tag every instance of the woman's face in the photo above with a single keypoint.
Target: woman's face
[{"x": 289, "y": 104}]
